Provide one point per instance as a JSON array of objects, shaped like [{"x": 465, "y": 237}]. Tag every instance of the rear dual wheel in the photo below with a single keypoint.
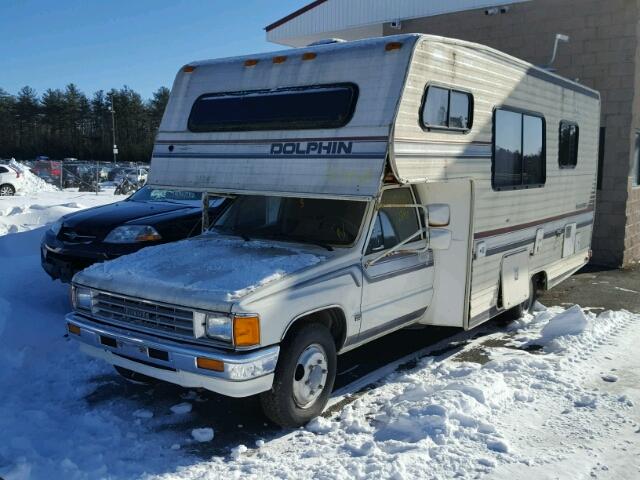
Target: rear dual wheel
[{"x": 303, "y": 377}]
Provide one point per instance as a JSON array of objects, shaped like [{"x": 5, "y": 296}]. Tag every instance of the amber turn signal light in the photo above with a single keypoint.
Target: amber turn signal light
[
  {"x": 210, "y": 364},
  {"x": 73, "y": 328},
  {"x": 246, "y": 330}
]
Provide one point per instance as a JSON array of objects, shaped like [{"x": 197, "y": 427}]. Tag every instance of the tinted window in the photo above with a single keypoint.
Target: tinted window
[
  {"x": 518, "y": 150},
  {"x": 532, "y": 145},
  {"x": 568, "y": 150},
  {"x": 3, "y": 170},
  {"x": 446, "y": 108},
  {"x": 328, "y": 106}
]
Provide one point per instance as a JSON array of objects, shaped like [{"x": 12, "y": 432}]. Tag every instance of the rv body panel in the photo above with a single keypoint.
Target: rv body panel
[{"x": 342, "y": 162}]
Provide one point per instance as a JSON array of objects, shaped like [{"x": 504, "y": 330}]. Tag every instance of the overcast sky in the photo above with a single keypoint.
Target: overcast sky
[{"x": 139, "y": 43}]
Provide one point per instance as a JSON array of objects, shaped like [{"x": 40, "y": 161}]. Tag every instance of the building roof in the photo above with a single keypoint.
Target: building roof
[{"x": 353, "y": 19}]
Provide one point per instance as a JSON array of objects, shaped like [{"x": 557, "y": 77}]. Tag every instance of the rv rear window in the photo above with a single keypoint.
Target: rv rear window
[
  {"x": 445, "y": 108},
  {"x": 519, "y": 150},
  {"x": 568, "y": 151},
  {"x": 318, "y": 106}
]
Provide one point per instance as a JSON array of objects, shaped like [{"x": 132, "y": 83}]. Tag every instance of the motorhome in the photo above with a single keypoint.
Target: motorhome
[{"x": 377, "y": 184}]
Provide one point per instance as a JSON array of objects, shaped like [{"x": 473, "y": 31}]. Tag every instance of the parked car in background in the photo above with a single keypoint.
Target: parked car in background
[
  {"x": 11, "y": 180},
  {"x": 151, "y": 216},
  {"x": 135, "y": 175}
]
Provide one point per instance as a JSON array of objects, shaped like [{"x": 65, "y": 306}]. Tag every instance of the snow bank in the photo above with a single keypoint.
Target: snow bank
[
  {"x": 31, "y": 182},
  {"x": 24, "y": 213}
]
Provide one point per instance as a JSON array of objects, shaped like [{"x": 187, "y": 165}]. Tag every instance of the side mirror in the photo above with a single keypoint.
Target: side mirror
[
  {"x": 439, "y": 214},
  {"x": 439, "y": 238}
]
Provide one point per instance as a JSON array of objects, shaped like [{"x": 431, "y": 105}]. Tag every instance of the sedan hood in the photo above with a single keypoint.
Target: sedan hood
[
  {"x": 99, "y": 221},
  {"x": 208, "y": 272}
]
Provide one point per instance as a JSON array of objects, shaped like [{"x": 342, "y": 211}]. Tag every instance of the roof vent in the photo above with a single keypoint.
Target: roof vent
[{"x": 326, "y": 41}]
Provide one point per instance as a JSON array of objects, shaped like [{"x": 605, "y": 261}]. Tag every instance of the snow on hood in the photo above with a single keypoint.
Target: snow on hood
[{"x": 210, "y": 266}]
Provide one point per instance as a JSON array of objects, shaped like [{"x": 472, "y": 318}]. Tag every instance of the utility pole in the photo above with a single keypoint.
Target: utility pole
[{"x": 113, "y": 130}]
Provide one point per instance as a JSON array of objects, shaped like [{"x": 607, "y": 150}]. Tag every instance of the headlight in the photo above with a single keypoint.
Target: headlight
[
  {"x": 219, "y": 327},
  {"x": 82, "y": 298},
  {"x": 56, "y": 227},
  {"x": 133, "y": 234}
]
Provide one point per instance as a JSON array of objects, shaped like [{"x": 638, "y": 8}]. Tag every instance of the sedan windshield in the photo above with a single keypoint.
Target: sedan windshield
[
  {"x": 150, "y": 194},
  {"x": 304, "y": 220}
]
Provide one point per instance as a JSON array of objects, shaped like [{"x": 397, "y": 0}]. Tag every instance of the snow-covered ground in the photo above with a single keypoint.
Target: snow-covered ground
[{"x": 555, "y": 395}]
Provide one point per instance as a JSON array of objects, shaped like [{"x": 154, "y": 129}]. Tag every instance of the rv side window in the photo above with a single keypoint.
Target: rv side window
[
  {"x": 296, "y": 108},
  {"x": 446, "y": 109},
  {"x": 519, "y": 159},
  {"x": 568, "y": 150}
]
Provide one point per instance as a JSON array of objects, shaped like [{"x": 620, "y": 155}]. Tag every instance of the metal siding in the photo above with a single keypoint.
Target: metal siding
[
  {"x": 337, "y": 15},
  {"x": 495, "y": 79},
  {"x": 241, "y": 161}
]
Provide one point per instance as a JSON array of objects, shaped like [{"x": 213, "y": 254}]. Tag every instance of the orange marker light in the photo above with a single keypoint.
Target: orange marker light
[
  {"x": 393, "y": 46},
  {"x": 73, "y": 328},
  {"x": 210, "y": 364},
  {"x": 309, "y": 56},
  {"x": 250, "y": 63},
  {"x": 279, "y": 59},
  {"x": 188, "y": 69},
  {"x": 246, "y": 331}
]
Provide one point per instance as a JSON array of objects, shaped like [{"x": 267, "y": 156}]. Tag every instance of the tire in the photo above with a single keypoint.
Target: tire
[
  {"x": 7, "y": 190},
  {"x": 135, "y": 377},
  {"x": 301, "y": 358}
]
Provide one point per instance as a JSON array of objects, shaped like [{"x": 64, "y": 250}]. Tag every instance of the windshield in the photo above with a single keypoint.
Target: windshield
[
  {"x": 304, "y": 220},
  {"x": 150, "y": 194}
]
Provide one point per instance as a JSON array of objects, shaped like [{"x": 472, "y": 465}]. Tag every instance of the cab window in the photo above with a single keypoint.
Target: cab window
[{"x": 394, "y": 225}]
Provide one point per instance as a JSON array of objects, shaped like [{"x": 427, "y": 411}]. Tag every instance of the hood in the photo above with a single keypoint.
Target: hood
[
  {"x": 101, "y": 220},
  {"x": 208, "y": 272}
]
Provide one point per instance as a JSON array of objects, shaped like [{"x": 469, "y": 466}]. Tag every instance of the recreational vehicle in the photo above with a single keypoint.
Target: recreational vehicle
[{"x": 375, "y": 184}]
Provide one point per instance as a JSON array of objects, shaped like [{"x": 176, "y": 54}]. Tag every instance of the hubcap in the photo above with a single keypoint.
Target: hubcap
[
  {"x": 310, "y": 375},
  {"x": 5, "y": 191}
]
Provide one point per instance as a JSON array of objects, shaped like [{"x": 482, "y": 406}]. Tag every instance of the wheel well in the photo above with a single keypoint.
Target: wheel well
[
  {"x": 333, "y": 318},
  {"x": 540, "y": 280}
]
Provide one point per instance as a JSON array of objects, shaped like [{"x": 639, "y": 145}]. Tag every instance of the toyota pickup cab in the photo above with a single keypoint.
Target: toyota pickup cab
[{"x": 376, "y": 185}]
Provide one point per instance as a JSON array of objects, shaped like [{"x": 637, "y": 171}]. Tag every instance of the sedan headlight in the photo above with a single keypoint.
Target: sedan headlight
[
  {"x": 219, "y": 327},
  {"x": 56, "y": 227},
  {"x": 133, "y": 234},
  {"x": 82, "y": 298}
]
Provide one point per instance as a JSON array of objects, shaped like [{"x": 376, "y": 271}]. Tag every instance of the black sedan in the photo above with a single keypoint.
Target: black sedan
[{"x": 150, "y": 216}]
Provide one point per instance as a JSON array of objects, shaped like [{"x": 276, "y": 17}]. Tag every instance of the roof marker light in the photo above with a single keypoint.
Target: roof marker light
[
  {"x": 279, "y": 59},
  {"x": 393, "y": 46},
  {"x": 188, "y": 68},
  {"x": 251, "y": 63},
  {"x": 309, "y": 56}
]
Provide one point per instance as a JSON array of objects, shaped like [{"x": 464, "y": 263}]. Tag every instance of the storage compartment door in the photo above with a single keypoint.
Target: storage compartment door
[
  {"x": 515, "y": 279},
  {"x": 569, "y": 244}
]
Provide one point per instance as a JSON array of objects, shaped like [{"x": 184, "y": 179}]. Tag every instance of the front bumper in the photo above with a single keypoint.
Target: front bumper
[{"x": 244, "y": 374}]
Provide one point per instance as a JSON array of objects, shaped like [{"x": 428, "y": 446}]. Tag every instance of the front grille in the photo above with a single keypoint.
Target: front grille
[
  {"x": 143, "y": 314},
  {"x": 68, "y": 235}
]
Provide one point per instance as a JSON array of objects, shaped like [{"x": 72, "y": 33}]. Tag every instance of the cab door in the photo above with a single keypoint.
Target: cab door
[{"x": 397, "y": 288}]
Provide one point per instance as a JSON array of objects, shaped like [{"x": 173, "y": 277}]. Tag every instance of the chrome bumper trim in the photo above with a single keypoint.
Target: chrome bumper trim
[{"x": 245, "y": 373}]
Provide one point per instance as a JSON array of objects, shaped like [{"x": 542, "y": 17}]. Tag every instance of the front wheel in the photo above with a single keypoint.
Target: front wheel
[
  {"x": 303, "y": 378},
  {"x": 7, "y": 190}
]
